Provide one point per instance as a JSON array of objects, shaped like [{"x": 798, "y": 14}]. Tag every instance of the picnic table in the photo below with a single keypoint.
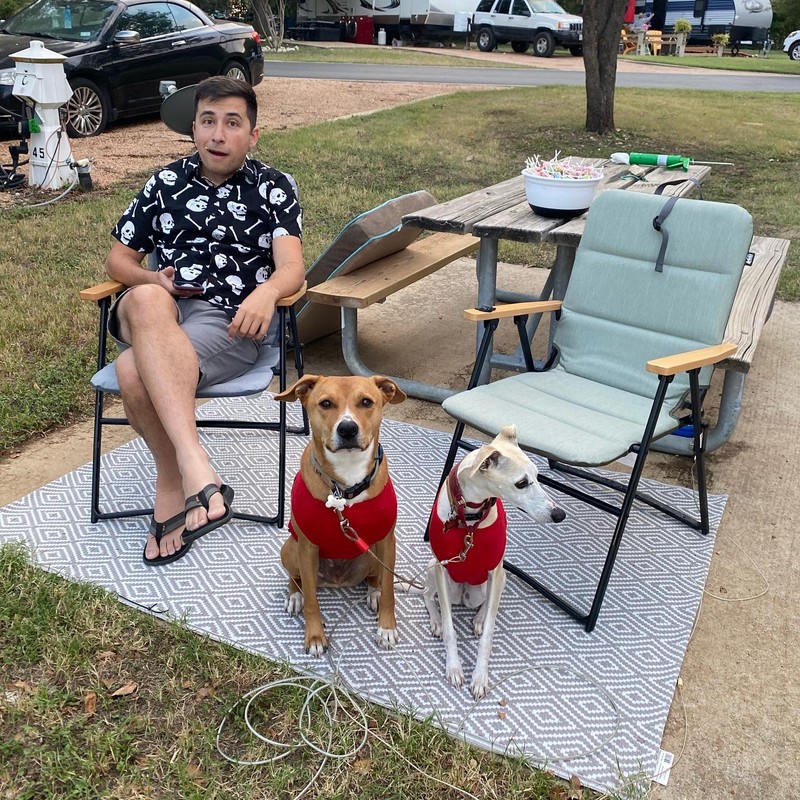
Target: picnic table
[{"x": 501, "y": 211}]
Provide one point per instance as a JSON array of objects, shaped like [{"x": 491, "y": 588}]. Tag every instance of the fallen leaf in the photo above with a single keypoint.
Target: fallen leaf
[
  {"x": 501, "y": 714},
  {"x": 124, "y": 691},
  {"x": 26, "y": 687},
  {"x": 106, "y": 655},
  {"x": 503, "y": 702},
  {"x": 205, "y": 691},
  {"x": 362, "y": 765},
  {"x": 575, "y": 789},
  {"x": 90, "y": 704},
  {"x": 193, "y": 770}
]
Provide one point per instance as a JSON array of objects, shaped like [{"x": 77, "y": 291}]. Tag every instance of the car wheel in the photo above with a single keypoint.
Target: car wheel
[
  {"x": 794, "y": 51},
  {"x": 520, "y": 47},
  {"x": 486, "y": 40},
  {"x": 88, "y": 109},
  {"x": 544, "y": 44},
  {"x": 576, "y": 50},
  {"x": 236, "y": 70}
]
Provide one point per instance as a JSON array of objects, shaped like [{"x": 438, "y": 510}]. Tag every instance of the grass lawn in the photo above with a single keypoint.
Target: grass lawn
[{"x": 65, "y": 650}]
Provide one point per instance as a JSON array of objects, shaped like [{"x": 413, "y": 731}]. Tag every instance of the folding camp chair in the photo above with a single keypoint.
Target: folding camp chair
[
  {"x": 271, "y": 361},
  {"x": 637, "y": 334}
]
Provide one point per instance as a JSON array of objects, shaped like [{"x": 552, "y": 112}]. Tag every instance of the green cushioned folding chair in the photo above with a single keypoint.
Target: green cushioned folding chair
[{"x": 637, "y": 334}]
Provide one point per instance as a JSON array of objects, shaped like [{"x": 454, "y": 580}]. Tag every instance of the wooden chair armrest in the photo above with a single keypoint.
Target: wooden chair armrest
[
  {"x": 692, "y": 359},
  {"x": 513, "y": 310},
  {"x": 102, "y": 290},
  {"x": 109, "y": 288},
  {"x": 291, "y": 299}
]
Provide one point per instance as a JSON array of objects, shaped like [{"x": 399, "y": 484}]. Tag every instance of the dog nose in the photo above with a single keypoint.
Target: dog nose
[
  {"x": 558, "y": 514},
  {"x": 347, "y": 429}
]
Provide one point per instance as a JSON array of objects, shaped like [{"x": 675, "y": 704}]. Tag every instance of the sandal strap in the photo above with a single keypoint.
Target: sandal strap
[
  {"x": 202, "y": 498},
  {"x": 159, "y": 529}
]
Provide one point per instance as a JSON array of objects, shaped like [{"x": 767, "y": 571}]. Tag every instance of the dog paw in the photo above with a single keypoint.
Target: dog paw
[
  {"x": 477, "y": 626},
  {"x": 455, "y": 676},
  {"x": 373, "y": 599},
  {"x": 480, "y": 684},
  {"x": 388, "y": 637},
  {"x": 294, "y": 603},
  {"x": 436, "y": 628},
  {"x": 316, "y": 647}
]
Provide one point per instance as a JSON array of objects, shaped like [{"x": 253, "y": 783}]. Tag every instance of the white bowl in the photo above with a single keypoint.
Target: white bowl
[{"x": 559, "y": 197}]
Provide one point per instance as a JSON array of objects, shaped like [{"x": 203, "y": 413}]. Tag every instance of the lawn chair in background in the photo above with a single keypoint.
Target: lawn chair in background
[
  {"x": 626, "y": 44},
  {"x": 638, "y": 331}
]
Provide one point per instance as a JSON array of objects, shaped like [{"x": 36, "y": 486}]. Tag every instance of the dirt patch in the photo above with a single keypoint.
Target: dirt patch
[{"x": 131, "y": 148}]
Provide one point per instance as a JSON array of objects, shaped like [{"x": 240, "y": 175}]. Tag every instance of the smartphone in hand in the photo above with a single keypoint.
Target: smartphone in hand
[{"x": 186, "y": 286}]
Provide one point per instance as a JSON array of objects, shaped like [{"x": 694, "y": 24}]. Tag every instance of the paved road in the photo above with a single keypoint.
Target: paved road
[{"x": 716, "y": 80}]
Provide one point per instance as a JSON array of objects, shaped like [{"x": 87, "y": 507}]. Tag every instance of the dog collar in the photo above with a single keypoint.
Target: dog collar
[
  {"x": 459, "y": 515},
  {"x": 351, "y": 491}
]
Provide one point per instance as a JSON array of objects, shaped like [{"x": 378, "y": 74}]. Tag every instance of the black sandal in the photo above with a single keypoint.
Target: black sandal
[
  {"x": 201, "y": 500},
  {"x": 158, "y": 530}
]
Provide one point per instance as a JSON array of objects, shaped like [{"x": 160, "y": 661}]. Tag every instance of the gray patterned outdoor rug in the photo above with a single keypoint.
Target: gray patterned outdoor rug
[{"x": 593, "y": 705}]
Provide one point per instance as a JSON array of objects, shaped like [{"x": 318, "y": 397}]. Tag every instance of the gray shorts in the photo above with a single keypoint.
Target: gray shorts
[{"x": 206, "y": 325}]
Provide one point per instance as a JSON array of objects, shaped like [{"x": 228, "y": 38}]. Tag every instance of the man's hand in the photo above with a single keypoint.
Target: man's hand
[{"x": 254, "y": 316}]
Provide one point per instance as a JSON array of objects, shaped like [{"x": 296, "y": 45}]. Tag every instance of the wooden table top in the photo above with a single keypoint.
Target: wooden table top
[{"x": 502, "y": 212}]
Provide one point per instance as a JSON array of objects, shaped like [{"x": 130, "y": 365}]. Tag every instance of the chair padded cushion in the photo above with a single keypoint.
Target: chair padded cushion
[
  {"x": 254, "y": 381},
  {"x": 560, "y": 416},
  {"x": 371, "y": 235}
]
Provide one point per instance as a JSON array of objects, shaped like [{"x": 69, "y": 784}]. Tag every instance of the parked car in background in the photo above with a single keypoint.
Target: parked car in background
[
  {"x": 542, "y": 23},
  {"x": 118, "y": 52},
  {"x": 791, "y": 45}
]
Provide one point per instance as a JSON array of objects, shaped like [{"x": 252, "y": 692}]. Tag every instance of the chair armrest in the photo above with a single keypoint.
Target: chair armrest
[
  {"x": 291, "y": 299},
  {"x": 692, "y": 359},
  {"x": 101, "y": 291},
  {"x": 110, "y": 288},
  {"x": 513, "y": 310}
]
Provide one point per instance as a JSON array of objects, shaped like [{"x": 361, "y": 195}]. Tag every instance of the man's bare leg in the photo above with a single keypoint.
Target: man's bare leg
[{"x": 158, "y": 378}]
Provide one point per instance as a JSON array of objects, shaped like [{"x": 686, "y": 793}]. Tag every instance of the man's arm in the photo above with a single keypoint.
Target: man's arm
[
  {"x": 256, "y": 311},
  {"x": 124, "y": 264}
]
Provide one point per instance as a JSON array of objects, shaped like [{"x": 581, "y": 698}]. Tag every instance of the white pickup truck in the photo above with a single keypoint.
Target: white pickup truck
[{"x": 542, "y": 23}]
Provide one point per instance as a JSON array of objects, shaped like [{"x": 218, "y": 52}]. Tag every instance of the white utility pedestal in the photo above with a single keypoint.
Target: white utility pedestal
[{"x": 40, "y": 82}]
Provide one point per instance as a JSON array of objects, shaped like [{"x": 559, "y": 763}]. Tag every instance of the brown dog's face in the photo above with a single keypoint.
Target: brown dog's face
[{"x": 344, "y": 411}]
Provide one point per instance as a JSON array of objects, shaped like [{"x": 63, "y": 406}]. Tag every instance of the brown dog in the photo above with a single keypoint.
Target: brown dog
[{"x": 343, "y": 503}]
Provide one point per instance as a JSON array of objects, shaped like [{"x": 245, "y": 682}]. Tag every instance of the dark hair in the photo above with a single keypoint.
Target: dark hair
[{"x": 219, "y": 87}]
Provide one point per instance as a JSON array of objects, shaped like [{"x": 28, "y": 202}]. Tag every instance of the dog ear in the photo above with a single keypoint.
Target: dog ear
[
  {"x": 390, "y": 390},
  {"x": 299, "y": 390},
  {"x": 509, "y": 432},
  {"x": 488, "y": 459}
]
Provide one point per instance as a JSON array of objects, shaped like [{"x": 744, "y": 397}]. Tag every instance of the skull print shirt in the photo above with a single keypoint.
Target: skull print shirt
[{"x": 219, "y": 236}]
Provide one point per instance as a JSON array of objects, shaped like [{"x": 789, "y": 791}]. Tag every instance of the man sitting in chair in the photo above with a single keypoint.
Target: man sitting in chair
[{"x": 226, "y": 230}]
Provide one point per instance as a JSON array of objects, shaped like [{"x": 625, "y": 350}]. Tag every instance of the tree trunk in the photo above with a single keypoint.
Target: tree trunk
[
  {"x": 602, "y": 23},
  {"x": 270, "y": 23}
]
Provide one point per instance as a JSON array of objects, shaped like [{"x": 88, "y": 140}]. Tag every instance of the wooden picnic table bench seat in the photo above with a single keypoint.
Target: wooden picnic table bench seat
[{"x": 374, "y": 282}]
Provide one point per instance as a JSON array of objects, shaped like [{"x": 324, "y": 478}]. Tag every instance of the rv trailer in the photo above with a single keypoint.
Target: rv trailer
[
  {"x": 415, "y": 19},
  {"x": 744, "y": 20}
]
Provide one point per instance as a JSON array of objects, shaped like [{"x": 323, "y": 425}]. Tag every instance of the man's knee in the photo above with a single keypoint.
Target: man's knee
[{"x": 145, "y": 304}]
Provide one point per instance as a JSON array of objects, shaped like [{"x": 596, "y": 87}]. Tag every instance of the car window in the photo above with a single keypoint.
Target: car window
[
  {"x": 547, "y": 7},
  {"x": 485, "y": 5},
  {"x": 62, "y": 19},
  {"x": 520, "y": 8},
  {"x": 503, "y": 6},
  {"x": 185, "y": 20},
  {"x": 147, "y": 19}
]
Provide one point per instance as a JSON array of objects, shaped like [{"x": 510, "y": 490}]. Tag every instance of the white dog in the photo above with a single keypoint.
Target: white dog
[{"x": 468, "y": 538}]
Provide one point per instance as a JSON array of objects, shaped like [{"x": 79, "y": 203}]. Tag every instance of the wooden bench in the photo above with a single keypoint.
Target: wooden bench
[
  {"x": 751, "y": 309},
  {"x": 376, "y": 281}
]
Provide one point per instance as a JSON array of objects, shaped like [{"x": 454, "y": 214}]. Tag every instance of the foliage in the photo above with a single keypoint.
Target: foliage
[
  {"x": 682, "y": 25},
  {"x": 9, "y": 7},
  {"x": 786, "y": 18},
  {"x": 721, "y": 38}
]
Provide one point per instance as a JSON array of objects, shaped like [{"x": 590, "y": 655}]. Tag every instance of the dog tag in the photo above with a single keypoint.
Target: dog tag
[{"x": 335, "y": 502}]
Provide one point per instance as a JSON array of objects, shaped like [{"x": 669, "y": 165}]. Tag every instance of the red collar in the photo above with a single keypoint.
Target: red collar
[{"x": 372, "y": 520}]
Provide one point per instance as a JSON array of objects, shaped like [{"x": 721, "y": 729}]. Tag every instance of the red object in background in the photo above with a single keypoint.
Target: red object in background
[
  {"x": 360, "y": 30},
  {"x": 630, "y": 13}
]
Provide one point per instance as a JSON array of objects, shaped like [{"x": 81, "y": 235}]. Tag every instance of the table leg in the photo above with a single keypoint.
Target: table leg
[{"x": 486, "y": 270}]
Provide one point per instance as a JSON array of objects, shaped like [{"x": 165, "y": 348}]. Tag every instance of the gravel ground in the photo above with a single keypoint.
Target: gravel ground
[{"x": 134, "y": 147}]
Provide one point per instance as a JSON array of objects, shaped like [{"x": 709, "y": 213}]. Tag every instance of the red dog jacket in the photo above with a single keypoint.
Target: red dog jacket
[
  {"x": 372, "y": 520},
  {"x": 486, "y": 553}
]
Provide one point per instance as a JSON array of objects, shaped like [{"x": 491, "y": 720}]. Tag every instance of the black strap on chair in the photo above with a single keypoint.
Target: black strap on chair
[{"x": 658, "y": 222}]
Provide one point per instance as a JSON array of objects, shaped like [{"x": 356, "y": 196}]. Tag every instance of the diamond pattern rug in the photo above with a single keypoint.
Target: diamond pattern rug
[{"x": 593, "y": 705}]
